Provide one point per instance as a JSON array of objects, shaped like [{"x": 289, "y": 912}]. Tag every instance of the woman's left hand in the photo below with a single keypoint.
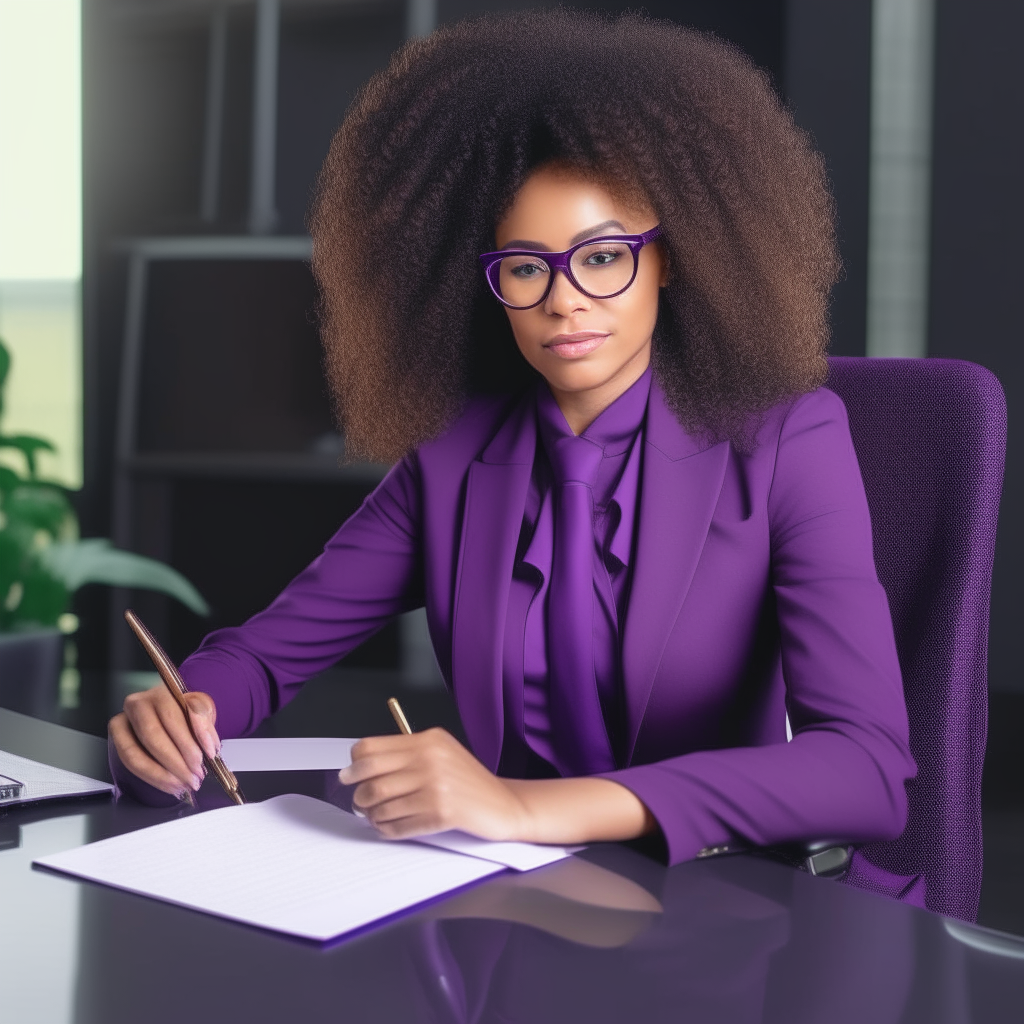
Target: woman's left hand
[{"x": 429, "y": 782}]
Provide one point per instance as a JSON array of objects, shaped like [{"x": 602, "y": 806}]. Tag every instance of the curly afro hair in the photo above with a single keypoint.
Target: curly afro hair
[{"x": 435, "y": 147}]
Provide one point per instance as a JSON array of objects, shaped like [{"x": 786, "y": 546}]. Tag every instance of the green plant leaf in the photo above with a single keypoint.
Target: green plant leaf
[
  {"x": 97, "y": 561},
  {"x": 5, "y": 367},
  {"x": 39, "y": 506},
  {"x": 8, "y": 480},
  {"x": 12, "y": 561},
  {"x": 44, "y": 598},
  {"x": 29, "y": 446}
]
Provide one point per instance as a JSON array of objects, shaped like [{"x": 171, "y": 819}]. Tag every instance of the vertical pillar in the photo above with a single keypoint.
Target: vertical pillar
[
  {"x": 902, "y": 52},
  {"x": 121, "y": 650},
  {"x": 262, "y": 208},
  {"x": 213, "y": 128},
  {"x": 419, "y": 666},
  {"x": 420, "y": 18}
]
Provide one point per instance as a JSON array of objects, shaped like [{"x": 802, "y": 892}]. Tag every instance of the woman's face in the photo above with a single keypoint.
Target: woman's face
[{"x": 589, "y": 350}]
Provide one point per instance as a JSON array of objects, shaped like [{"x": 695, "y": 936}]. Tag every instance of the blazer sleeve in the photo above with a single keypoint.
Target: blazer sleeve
[
  {"x": 369, "y": 571},
  {"x": 842, "y": 777}
]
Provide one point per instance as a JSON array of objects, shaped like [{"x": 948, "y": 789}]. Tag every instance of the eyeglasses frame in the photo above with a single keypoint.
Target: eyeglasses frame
[{"x": 556, "y": 261}]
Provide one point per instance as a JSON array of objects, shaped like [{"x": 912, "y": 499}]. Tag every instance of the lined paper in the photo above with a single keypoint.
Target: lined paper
[
  {"x": 518, "y": 856},
  {"x": 276, "y": 754},
  {"x": 291, "y": 864},
  {"x": 44, "y": 782}
]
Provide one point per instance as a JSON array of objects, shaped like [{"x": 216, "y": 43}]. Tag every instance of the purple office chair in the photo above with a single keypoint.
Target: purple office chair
[{"x": 930, "y": 436}]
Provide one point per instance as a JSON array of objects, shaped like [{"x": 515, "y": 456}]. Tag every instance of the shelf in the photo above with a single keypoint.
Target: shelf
[
  {"x": 176, "y": 11},
  {"x": 271, "y": 466},
  {"x": 218, "y": 247}
]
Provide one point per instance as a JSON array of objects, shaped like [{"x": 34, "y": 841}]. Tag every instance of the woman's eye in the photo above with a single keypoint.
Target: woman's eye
[
  {"x": 601, "y": 259},
  {"x": 527, "y": 270}
]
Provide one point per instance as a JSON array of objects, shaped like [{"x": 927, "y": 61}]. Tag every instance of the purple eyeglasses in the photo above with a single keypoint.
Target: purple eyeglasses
[{"x": 599, "y": 267}]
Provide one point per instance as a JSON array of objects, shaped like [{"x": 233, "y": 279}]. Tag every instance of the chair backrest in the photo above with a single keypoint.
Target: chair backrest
[{"x": 930, "y": 436}]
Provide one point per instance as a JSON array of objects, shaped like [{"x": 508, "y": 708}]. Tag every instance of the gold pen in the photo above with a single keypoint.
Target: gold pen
[
  {"x": 399, "y": 716},
  {"x": 173, "y": 681}
]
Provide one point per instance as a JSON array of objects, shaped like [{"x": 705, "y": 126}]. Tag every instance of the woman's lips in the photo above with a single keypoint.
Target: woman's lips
[{"x": 572, "y": 346}]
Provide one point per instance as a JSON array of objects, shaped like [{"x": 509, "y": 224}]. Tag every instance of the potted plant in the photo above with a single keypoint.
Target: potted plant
[{"x": 43, "y": 562}]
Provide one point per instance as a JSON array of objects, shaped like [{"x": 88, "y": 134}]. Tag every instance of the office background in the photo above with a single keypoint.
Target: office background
[{"x": 240, "y": 488}]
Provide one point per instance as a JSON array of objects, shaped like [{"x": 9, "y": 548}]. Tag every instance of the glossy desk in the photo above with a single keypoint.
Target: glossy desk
[{"x": 737, "y": 939}]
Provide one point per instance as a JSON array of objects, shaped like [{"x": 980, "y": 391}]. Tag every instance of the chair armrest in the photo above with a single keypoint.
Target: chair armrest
[{"x": 823, "y": 858}]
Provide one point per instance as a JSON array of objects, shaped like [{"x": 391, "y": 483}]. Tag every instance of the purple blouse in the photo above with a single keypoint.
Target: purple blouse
[{"x": 525, "y": 669}]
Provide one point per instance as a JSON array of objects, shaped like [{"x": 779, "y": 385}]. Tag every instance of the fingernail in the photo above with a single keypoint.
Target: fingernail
[
  {"x": 343, "y": 775},
  {"x": 196, "y": 782}
]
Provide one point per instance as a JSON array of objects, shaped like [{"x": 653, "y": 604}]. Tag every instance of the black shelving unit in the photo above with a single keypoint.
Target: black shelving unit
[
  {"x": 210, "y": 440},
  {"x": 224, "y": 428}
]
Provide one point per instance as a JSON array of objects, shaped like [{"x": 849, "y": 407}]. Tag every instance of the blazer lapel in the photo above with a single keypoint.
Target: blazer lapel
[
  {"x": 679, "y": 487},
  {"x": 493, "y": 513}
]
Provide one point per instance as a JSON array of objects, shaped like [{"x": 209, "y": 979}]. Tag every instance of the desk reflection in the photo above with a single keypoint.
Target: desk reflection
[
  {"x": 610, "y": 935},
  {"x": 587, "y": 942}
]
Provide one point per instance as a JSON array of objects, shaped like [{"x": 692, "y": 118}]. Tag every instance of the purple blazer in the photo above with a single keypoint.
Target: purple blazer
[{"x": 753, "y": 592}]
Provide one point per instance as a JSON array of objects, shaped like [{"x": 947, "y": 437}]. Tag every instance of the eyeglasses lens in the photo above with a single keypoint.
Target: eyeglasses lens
[{"x": 601, "y": 269}]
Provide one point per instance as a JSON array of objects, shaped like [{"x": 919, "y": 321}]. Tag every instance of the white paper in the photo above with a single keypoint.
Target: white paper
[
  {"x": 518, "y": 856},
  {"x": 273, "y": 754},
  {"x": 43, "y": 782},
  {"x": 287, "y": 754},
  {"x": 292, "y": 864}
]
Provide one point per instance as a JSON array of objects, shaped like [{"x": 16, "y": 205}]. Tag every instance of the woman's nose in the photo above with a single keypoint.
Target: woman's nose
[{"x": 564, "y": 298}]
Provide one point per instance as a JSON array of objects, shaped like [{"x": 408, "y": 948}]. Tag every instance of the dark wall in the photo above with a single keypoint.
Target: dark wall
[
  {"x": 828, "y": 85},
  {"x": 978, "y": 256},
  {"x": 323, "y": 63}
]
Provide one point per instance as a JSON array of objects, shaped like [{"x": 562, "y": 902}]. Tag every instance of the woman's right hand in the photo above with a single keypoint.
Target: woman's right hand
[{"x": 153, "y": 740}]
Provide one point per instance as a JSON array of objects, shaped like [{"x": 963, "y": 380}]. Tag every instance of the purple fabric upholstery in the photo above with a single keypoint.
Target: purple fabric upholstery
[{"x": 930, "y": 436}]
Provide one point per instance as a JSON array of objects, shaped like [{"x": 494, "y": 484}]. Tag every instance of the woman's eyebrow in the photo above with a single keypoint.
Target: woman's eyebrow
[{"x": 597, "y": 229}]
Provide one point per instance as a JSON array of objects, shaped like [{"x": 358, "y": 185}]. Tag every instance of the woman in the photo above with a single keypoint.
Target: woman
[{"x": 634, "y": 516}]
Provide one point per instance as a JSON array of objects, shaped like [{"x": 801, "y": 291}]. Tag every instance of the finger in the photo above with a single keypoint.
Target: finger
[
  {"x": 397, "y": 750},
  {"x": 407, "y": 798},
  {"x": 409, "y": 826},
  {"x": 368, "y": 795},
  {"x": 151, "y": 733},
  {"x": 404, "y": 828},
  {"x": 371, "y": 746},
  {"x": 203, "y": 713},
  {"x": 406, "y": 805},
  {"x": 371, "y": 767},
  {"x": 175, "y": 725},
  {"x": 134, "y": 757}
]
